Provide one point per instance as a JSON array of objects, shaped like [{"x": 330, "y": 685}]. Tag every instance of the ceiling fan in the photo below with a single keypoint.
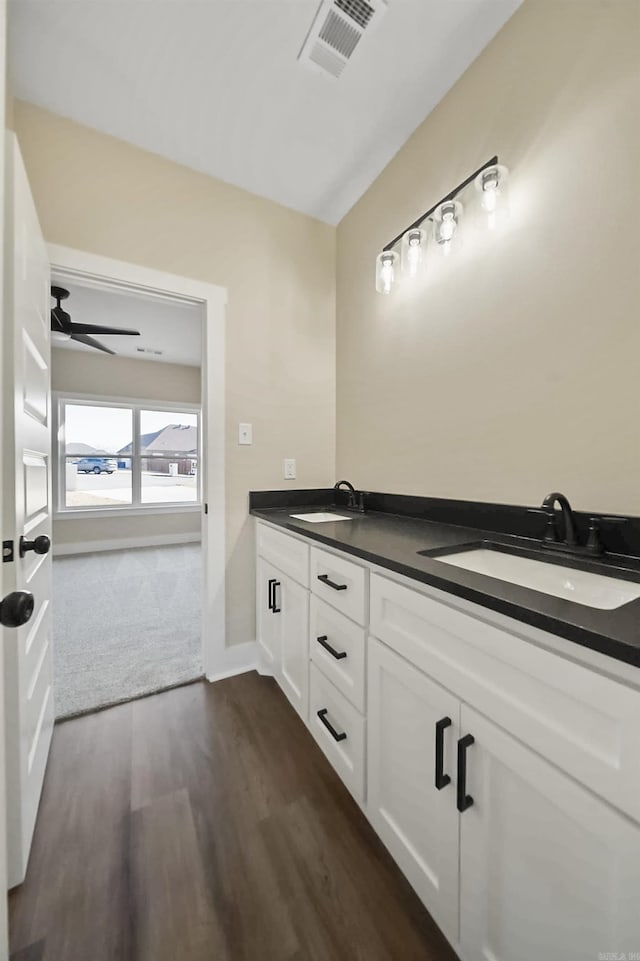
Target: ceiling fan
[{"x": 65, "y": 329}]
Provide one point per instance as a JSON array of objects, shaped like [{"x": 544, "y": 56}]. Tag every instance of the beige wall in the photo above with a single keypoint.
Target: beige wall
[
  {"x": 514, "y": 370},
  {"x": 106, "y": 376},
  {"x": 101, "y": 195}
]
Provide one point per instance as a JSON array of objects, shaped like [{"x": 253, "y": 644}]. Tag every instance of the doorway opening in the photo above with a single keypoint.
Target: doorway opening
[
  {"x": 127, "y": 452},
  {"x": 137, "y": 455}
]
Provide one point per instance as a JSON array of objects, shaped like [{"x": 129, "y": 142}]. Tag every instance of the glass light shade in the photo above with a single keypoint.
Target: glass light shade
[
  {"x": 413, "y": 252},
  {"x": 387, "y": 268},
  {"x": 446, "y": 224},
  {"x": 491, "y": 184},
  {"x": 60, "y": 336}
]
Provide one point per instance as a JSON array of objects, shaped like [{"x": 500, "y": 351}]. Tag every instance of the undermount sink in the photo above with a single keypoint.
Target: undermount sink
[
  {"x": 320, "y": 517},
  {"x": 579, "y": 586}
]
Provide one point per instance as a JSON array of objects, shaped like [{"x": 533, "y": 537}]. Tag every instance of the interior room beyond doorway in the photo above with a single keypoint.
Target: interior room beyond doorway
[{"x": 127, "y": 500}]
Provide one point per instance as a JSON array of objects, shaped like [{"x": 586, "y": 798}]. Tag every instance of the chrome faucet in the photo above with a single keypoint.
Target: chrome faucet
[{"x": 359, "y": 505}]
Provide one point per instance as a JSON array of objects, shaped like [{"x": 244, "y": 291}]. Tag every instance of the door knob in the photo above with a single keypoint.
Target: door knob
[
  {"x": 40, "y": 545},
  {"x": 16, "y": 609}
]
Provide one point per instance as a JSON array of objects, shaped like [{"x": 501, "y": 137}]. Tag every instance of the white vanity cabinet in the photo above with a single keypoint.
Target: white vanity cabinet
[
  {"x": 542, "y": 859},
  {"x": 283, "y": 614},
  {"x": 502, "y": 773},
  {"x": 292, "y": 600},
  {"x": 413, "y": 727},
  {"x": 312, "y": 616},
  {"x": 268, "y": 623},
  {"x": 547, "y": 870}
]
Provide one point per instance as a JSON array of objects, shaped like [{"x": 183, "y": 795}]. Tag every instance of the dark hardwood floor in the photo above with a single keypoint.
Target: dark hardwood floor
[{"x": 204, "y": 824}]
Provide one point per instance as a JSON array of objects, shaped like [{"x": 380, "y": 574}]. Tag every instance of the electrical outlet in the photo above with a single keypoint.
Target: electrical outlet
[
  {"x": 245, "y": 433},
  {"x": 289, "y": 468}
]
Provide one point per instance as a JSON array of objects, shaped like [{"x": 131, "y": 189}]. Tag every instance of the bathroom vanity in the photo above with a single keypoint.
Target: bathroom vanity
[{"x": 498, "y": 761}]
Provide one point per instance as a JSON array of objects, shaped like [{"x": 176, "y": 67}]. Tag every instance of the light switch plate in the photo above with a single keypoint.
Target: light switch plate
[
  {"x": 289, "y": 468},
  {"x": 245, "y": 433}
]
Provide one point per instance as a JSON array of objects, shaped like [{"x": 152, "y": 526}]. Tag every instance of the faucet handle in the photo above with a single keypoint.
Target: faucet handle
[{"x": 594, "y": 543}]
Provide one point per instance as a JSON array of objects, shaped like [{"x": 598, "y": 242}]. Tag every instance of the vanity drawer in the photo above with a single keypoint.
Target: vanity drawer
[
  {"x": 339, "y": 730},
  {"x": 288, "y": 554},
  {"x": 584, "y": 722},
  {"x": 337, "y": 647},
  {"x": 340, "y": 583}
]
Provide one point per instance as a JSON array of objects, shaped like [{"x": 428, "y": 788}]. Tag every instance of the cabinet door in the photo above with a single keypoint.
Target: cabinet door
[
  {"x": 268, "y": 619},
  {"x": 417, "y": 821},
  {"x": 293, "y": 601},
  {"x": 548, "y": 870}
]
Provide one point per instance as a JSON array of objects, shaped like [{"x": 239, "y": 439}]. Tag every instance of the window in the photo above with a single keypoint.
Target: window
[{"x": 123, "y": 455}]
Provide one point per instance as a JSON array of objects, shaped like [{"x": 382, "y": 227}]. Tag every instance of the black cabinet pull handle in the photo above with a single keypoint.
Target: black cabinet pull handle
[
  {"x": 276, "y": 610},
  {"x": 40, "y": 545},
  {"x": 325, "y": 580},
  {"x": 272, "y": 581},
  {"x": 336, "y": 735},
  {"x": 322, "y": 641},
  {"x": 442, "y": 779},
  {"x": 464, "y": 800}
]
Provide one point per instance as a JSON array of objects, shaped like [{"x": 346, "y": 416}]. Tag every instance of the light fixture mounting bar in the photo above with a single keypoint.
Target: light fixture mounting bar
[{"x": 450, "y": 196}]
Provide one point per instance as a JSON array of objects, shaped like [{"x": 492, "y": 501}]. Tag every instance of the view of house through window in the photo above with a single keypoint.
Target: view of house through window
[{"x": 127, "y": 455}]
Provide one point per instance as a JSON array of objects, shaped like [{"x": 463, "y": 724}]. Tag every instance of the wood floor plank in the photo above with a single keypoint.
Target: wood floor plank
[
  {"x": 204, "y": 824},
  {"x": 169, "y": 894},
  {"x": 35, "y": 952},
  {"x": 76, "y": 893}
]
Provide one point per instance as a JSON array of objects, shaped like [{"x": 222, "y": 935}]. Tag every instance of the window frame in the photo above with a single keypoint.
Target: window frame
[{"x": 135, "y": 405}]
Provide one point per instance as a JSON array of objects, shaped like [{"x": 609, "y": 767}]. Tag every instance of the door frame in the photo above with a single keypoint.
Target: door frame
[{"x": 104, "y": 273}]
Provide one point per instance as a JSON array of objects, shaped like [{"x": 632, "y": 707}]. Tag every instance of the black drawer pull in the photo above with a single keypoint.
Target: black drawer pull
[
  {"x": 442, "y": 779},
  {"x": 336, "y": 735},
  {"x": 276, "y": 610},
  {"x": 464, "y": 800},
  {"x": 322, "y": 641},
  {"x": 325, "y": 580},
  {"x": 272, "y": 581}
]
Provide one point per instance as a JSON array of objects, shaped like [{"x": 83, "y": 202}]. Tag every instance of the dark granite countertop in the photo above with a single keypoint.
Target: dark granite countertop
[{"x": 393, "y": 542}]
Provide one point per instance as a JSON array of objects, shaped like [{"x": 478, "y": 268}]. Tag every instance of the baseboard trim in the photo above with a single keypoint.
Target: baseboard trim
[
  {"x": 236, "y": 660},
  {"x": 124, "y": 543}
]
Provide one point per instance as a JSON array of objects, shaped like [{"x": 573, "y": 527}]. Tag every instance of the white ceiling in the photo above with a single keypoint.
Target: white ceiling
[
  {"x": 216, "y": 85},
  {"x": 175, "y": 329}
]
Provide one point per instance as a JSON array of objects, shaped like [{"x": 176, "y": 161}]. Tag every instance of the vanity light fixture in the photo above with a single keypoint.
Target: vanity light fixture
[
  {"x": 446, "y": 220},
  {"x": 413, "y": 251},
  {"x": 491, "y": 185},
  {"x": 387, "y": 264},
  {"x": 445, "y": 216}
]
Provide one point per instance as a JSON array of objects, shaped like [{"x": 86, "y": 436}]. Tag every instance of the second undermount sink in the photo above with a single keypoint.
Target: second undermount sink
[
  {"x": 319, "y": 517},
  {"x": 580, "y": 586}
]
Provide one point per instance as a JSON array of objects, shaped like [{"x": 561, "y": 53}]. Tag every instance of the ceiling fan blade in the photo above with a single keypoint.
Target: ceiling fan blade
[
  {"x": 99, "y": 329},
  {"x": 91, "y": 342}
]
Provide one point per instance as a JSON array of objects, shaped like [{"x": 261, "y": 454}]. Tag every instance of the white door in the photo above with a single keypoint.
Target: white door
[
  {"x": 411, "y": 782},
  {"x": 293, "y": 601},
  {"x": 26, "y": 447},
  {"x": 268, "y": 621},
  {"x": 4, "y": 940},
  {"x": 547, "y": 869}
]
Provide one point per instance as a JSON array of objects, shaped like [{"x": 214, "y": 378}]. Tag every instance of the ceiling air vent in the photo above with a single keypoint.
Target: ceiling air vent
[
  {"x": 337, "y": 29},
  {"x": 150, "y": 350}
]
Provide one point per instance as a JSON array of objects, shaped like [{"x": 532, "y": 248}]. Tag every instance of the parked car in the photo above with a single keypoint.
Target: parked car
[{"x": 96, "y": 465}]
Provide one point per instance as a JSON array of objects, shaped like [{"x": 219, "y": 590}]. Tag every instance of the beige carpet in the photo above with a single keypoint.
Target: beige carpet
[{"x": 125, "y": 624}]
